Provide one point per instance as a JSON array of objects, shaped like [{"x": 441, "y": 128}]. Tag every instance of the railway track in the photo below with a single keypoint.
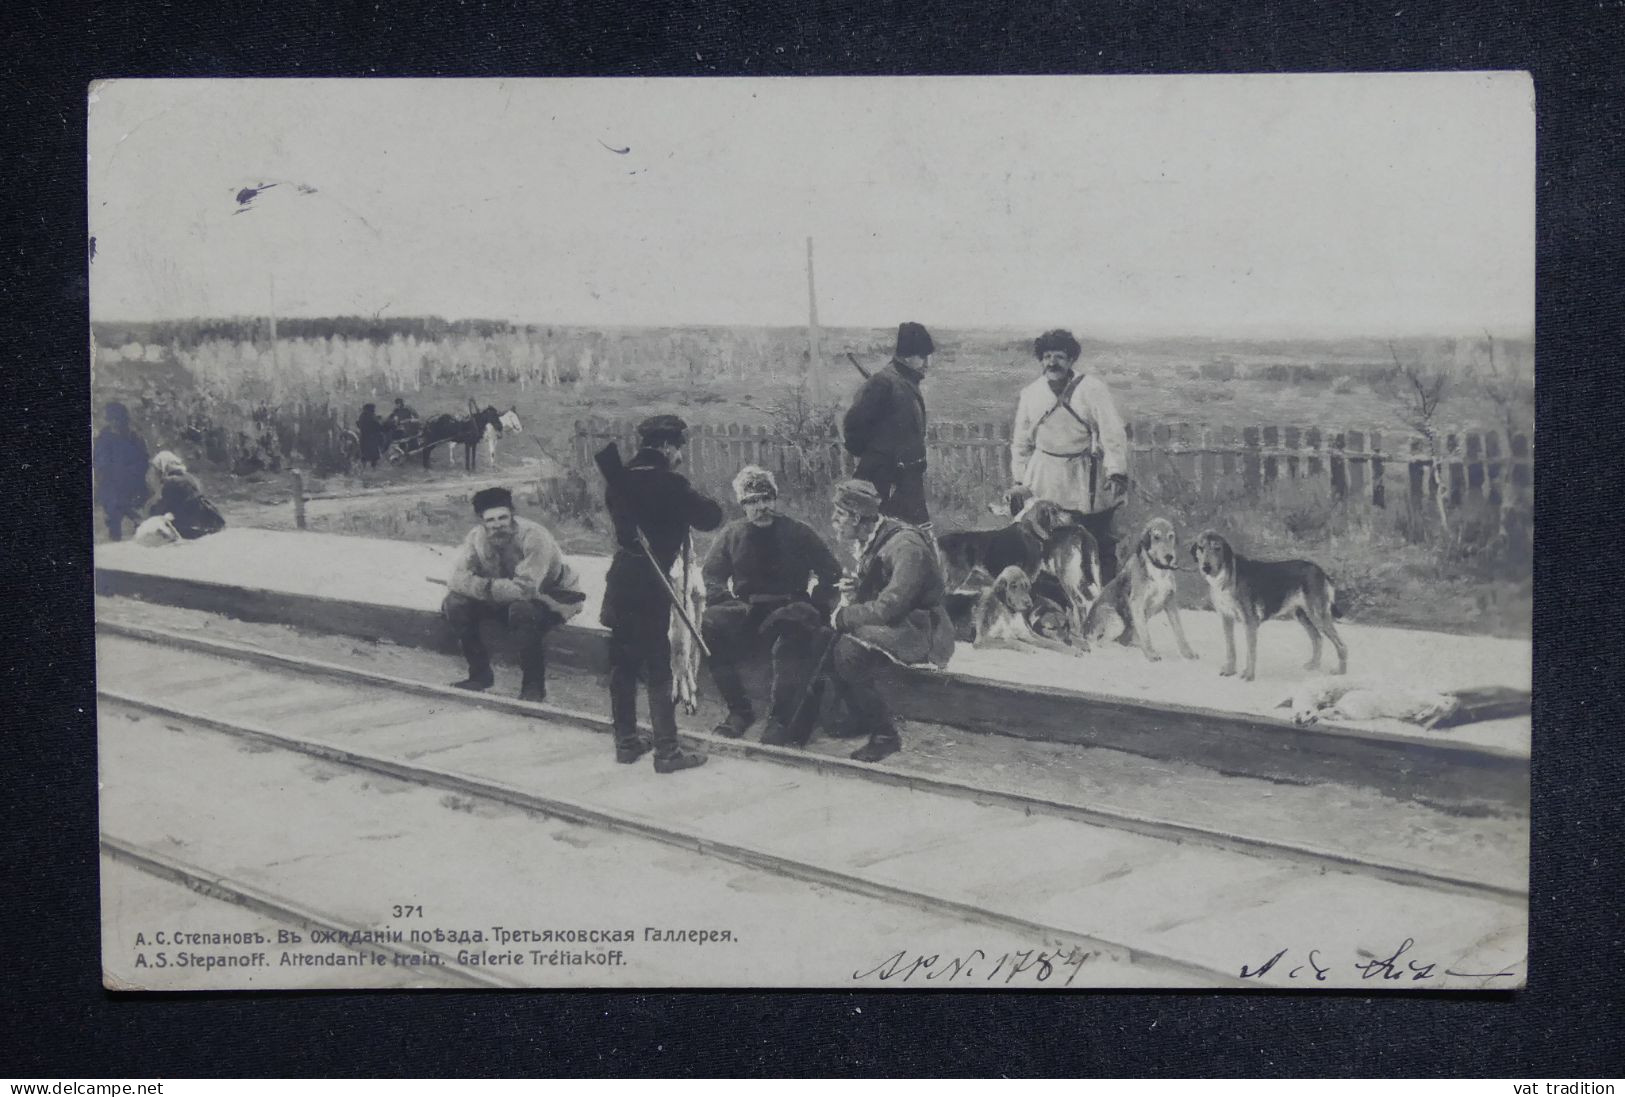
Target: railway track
[{"x": 1191, "y": 903}]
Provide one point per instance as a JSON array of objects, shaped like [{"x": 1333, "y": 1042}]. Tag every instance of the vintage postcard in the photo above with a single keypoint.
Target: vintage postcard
[{"x": 1040, "y": 533}]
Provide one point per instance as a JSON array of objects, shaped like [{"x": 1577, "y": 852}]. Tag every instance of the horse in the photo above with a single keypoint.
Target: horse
[
  {"x": 508, "y": 423},
  {"x": 465, "y": 432}
]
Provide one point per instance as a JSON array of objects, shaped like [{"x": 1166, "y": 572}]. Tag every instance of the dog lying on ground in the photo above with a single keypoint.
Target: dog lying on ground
[
  {"x": 157, "y": 530},
  {"x": 1001, "y": 616},
  {"x": 1250, "y": 592},
  {"x": 1041, "y": 538},
  {"x": 1316, "y": 701},
  {"x": 1144, "y": 588}
]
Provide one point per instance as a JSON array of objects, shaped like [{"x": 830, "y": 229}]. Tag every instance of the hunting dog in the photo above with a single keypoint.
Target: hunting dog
[
  {"x": 1144, "y": 588},
  {"x": 1254, "y": 591},
  {"x": 1040, "y": 539},
  {"x": 1002, "y": 612}
]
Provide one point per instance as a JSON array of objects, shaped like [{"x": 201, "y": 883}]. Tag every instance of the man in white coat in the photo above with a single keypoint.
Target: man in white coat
[{"x": 1069, "y": 445}]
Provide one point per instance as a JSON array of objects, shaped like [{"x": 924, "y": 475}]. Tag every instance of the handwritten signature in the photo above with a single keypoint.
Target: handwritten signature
[
  {"x": 1314, "y": 967},
  {"x": 976, "y": 965}
]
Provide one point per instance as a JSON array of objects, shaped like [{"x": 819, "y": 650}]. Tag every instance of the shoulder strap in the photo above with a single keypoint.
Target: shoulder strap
[{"x": 1065, "y": 401}]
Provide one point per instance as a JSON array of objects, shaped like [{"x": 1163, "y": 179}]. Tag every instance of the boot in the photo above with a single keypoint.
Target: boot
[
  {"x": 737, "y": 723},
  {"x": 669, "y": 757},
  {"x": 479, "y": 661},
  {"x": 632, "y": 750},
  {"x": 741, "y": 714},
  {"x": 775, "y": 734},
  {"x": 680, "y": 760},
  {"x": 533, "y": 685},
  {"x": 479, "y": 678},
  {"x": 876, "y": 748}
]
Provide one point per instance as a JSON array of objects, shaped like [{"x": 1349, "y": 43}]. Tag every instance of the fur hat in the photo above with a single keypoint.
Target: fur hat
[
  {"x": 1060, "y": 339},
  {"x": 659, "y": 430},
  {"x": 755, "y": 484},
  {"x": 486, "y": 498},
  {"x": 913, "y": 339},
  {"x": 858, "y": 497},
  {"x": 117, "y": 412}
]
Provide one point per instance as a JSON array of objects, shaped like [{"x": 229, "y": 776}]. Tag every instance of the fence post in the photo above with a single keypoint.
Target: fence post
[
  {"x": 1494, "y": 472},
  {"x": 1272, "y": 444},
  {"x": 298, "y": 499},
  {"x": 1252, "y": 463},
  {"x": 1379, "y": 490}
]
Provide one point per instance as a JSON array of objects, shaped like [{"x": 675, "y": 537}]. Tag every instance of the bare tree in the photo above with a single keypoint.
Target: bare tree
[{"x": 1419, "y": 392}]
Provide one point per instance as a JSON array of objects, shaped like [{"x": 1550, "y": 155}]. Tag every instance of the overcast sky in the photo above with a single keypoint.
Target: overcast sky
[{"x": 1377, "y": 205}]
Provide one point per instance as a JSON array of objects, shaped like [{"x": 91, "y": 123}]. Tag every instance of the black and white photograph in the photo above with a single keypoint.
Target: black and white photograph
[{"x": 1037, "y": 533}]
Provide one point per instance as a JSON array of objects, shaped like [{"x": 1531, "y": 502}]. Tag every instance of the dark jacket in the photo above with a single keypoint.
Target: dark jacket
[
  {"x": 371, "y": 430},
  {"x": 771, "y": 560},
  {"x": 898, "y": 604},
  {"x": 120, "y": 461},
  {"x": 647, "y": 493},
  {"x": 181, "y": 495},
  {"x": 885, "y": 426}
]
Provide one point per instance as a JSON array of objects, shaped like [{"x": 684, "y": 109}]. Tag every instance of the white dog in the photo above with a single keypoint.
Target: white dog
[
  {"x": 1315, "y": 701},
  {"x": 157, "y": 530}
]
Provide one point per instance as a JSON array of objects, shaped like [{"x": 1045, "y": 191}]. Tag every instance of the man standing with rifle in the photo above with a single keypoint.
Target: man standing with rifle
[
  {"x": 885, "y": 428},
  {"x": 653, "y": 508}
]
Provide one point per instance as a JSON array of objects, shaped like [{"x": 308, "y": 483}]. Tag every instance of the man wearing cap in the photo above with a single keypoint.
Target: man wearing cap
[
  {"x": 893, "y": 610},
  {"x": 758, "y": 564},
  {"x": 120, "y": 460},
  {"x": 1069, "y": 445},
  {"x": 511, "y": 569},
  {"x": 648, "y": 495},
  {"x": 885, "y": 428}
]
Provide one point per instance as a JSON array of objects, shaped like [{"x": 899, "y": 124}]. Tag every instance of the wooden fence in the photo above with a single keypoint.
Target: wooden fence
[{"x": 970, "y": 462}]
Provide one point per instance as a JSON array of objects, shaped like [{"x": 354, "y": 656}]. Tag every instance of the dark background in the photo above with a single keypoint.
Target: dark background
[{"x": 57, "y": 1020}]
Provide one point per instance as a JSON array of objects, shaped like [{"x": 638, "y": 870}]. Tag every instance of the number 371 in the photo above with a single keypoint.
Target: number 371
[{"x": 407, "y": 911}]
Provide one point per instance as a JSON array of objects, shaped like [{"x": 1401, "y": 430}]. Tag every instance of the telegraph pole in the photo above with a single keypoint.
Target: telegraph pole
[{"x": 814, "y": 381}]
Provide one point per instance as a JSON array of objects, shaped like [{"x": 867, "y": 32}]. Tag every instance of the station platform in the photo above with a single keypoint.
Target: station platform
[{"x": 1112, "y": 697}]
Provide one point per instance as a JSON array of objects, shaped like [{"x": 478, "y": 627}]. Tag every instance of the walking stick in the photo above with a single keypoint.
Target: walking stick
[
  {"x": 857, "y": 365},
  {"x": 812, "y": 682},
  {"x": 676, "y": 602}
]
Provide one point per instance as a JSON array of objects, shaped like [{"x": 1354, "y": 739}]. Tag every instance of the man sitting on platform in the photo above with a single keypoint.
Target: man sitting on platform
[
  {"x": 760, "y": 563},
  {"x": 893, "y": 611},
  {"x": 511, "y": 569}
]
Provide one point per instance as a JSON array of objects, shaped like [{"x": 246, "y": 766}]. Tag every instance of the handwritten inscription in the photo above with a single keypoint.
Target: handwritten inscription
[
  {"x": 1313, "y": 966},
  {"x": 1027, "y": 965}
]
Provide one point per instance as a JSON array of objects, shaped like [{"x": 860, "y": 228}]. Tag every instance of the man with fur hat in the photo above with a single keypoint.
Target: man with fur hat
[
  {"x": 648, "y": 496},
  {"x": 758, "y": 564},
  {"x": 120, "y": 461},
  {"x": 511, "y": 569},
  {"x": 893, "y": 610},
  {"x": 1069, "y": 445},
  {"x": 885, "y": 428}
]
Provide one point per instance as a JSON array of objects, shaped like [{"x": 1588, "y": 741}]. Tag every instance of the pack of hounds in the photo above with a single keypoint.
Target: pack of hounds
[{"x": 1036, "y": 584}]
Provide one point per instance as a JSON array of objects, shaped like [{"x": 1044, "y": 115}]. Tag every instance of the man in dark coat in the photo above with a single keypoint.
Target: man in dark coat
[
  {"x": 371, "y": 431},
  {"x": 181, "y": 497},
  {"x": 400, "y": 418},
  {"x": 648, "y": 495},
  {"x": 892, "y": 612},
  {"x": 885, "y": 428},
  {"x": 758, "y": 564},
  {"x": 120, "y": 462},
  {"x": 511, "y": 569}
]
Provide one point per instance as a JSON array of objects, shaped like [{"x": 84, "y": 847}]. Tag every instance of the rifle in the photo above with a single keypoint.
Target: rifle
[
  {"x": 609, "y": 463},
  {"x": 857, "y": 365},
  {"x": 671, "y": 595}
]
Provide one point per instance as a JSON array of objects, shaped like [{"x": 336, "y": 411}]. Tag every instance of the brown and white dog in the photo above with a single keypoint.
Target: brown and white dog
[
  {"x": 1040, "y": 539},
  {"x": 1002, "y": 612},
  {"x": 1251, "y": 592},
  {"x": 1144, "y": 588}
]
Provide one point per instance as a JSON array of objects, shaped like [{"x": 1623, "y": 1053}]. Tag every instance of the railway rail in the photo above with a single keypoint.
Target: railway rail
[{"x": 1188, "y": 901}]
